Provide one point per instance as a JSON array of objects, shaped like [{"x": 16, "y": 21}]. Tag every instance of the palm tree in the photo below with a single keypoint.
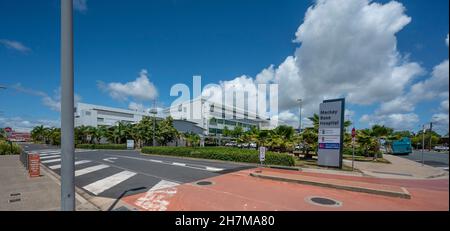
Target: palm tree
[{"x": 38, "y": 133}]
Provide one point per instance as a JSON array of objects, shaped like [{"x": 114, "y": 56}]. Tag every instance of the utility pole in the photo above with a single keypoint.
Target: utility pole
[
  {"x": 67, "y": 108},
  {"x": 300, "y": 116},
  {"x": 423, "y": 141},
  {"x": 154, "y": 112},
  {"x": 431, "y": 135}
]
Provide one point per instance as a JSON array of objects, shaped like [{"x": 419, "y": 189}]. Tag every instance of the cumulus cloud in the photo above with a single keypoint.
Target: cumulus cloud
[
  {"x": 14, "y": 45},
  {"x": 80, "y": 5},
  {"x": 139, "y": 89},
  {"x": 26, "y": 125},
  {"x": 347, "y": 48}
]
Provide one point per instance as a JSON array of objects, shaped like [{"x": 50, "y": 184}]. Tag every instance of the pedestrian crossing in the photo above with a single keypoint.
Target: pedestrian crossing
[
  {"x": 105, "y": 179},
  {"x": 101, "y": 185}
]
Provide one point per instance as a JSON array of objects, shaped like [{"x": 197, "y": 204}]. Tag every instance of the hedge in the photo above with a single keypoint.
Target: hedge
[
  {"x": 222, "y": 153},
  {"x": 102, "y": 146},
  {"x": 5, "y": 148}
]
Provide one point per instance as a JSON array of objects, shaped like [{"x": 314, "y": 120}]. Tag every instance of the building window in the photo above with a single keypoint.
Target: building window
[
  {"x": 211, "y": 108},
  {"x": 100, "y": 120},
  {"x": 88, "y": 113},
  {"x": 180, "y": 107},
  {"x": 185, "y": 109}
]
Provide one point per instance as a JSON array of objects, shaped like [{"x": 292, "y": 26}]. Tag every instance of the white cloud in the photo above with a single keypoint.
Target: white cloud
[
  {"x": 136, "y": 106},
  {"x": 80, "y": 5},
  {"x": 53, "y": 103},
  {"x": 26, "y": 125},
  {"x": 15, "y": 45},
  {"x": 348, "y": 48},
  {"x": 446, "y": 40},
  {"x": 398, "y": 121},
  {"x": 139, "y": 89}
]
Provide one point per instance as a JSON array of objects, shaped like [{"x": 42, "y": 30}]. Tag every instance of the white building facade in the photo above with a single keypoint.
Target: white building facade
[
  {"x": 96, "y": 115},
  {"x": 214, "y": 117}
]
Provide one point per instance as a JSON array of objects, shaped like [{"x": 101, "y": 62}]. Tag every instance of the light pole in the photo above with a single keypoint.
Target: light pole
[
  {"x": 423, "y": 141},
  {"x": 67, "y": 108},
  {"x": 300, "y": 115},
  {"x": 154, "y": 112}
]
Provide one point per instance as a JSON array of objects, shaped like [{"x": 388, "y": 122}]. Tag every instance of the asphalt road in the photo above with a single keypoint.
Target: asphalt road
[
  {"x": 432, "y": 158},
  {"x": 119, "y": 173}
]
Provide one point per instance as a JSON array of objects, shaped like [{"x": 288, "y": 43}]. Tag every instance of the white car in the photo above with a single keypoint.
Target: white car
[{"x": 440, "y": 149}]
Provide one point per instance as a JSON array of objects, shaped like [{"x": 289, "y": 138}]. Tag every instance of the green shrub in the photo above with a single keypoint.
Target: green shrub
[
  {"x": 222, "y": 153},
  {"x": 6, "y": 149},
  {"x": 102, "y": 146}
]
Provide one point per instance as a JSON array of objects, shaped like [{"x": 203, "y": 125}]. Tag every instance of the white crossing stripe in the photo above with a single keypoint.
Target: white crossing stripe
[
  {"x": 213, "y": 169},
  {"x": 90, "y": 169},
  {"x": 51, "y": 161},
  {"x": 58, "y": 166},
  {"x": 179, "y": 164},
  {"x": 49, "y": 157},
  {"x": 163, "y": 184},
  {"x": 49, "y": 154},
  {"x": 108, "y": 182}
]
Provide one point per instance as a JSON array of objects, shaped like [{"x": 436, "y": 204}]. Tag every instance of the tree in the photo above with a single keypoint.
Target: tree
[
  {"x": 226, "y": 132},
  {"x": 166, "y": 132},
  {"x": 237, "y": 131},
  {"x": 38, "y": 133},
  {"x": 192, "y": 139}
]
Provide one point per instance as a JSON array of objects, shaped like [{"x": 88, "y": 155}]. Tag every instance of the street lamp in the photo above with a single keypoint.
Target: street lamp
[
  {"x": 300, "y": 117},
  {"x": 154, "y": 111}
]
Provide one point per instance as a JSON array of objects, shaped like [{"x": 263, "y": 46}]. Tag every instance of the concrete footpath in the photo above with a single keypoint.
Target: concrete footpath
[
  {"x": 19, "y": 192},
  {"x": 399, "y": 168}
]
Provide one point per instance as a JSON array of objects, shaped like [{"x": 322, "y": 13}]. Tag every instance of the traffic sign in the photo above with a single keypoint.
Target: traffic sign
[
  {"x": 353, "y": 132},
  {"x": 262, "y": 153}
]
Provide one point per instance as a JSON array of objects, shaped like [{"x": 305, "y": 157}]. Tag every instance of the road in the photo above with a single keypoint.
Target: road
[
  {"x": 432, "y": 158},
  {"x": 112, "y": 174}
]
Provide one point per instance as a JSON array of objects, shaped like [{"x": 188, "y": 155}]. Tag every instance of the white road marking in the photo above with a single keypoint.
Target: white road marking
[
  {"x": 110, "y": 159},
  {"x": 213, "y": 169},
  {"x": 49, "y": 157},
  {"x": 90, "y": 169},
  {"x": 200, "y": 167},
  {"x": 108, "y": 182},
  {"x": 58, "y": 166},
  {"x": 163, "y": 184},
  {"x": 51, "y": 161},
  {"x": 157, "y": 197},
  {"x": 49, "y": 154},
  {"x": 179, "y": 164}
]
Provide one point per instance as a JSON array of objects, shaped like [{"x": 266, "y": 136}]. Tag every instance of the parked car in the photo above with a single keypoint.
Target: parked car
[
  {"x": 441, "y": 149},
  {"x": 231, "y": 144},
  {"x": 253, "y": 145}
]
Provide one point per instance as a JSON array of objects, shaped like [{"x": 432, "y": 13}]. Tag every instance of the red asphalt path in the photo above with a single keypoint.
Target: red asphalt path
[{"x": 242, "y": 192}]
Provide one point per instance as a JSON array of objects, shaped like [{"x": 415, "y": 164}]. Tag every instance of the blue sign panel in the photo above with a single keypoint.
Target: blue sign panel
[{"x": 329, "y": 145}]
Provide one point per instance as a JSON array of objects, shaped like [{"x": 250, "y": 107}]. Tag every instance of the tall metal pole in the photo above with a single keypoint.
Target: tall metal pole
[
  {"x": 300, "y": 116},
  {"x": 67, "y": 108},
  {"x": 154, "y": 122},
  {"x": 423, "y": 141},
  {"x": 431, "y": 135}
]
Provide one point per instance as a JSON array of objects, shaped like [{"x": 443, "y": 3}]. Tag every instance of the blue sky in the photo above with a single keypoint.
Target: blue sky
[{"x": 174, "y": 40}]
